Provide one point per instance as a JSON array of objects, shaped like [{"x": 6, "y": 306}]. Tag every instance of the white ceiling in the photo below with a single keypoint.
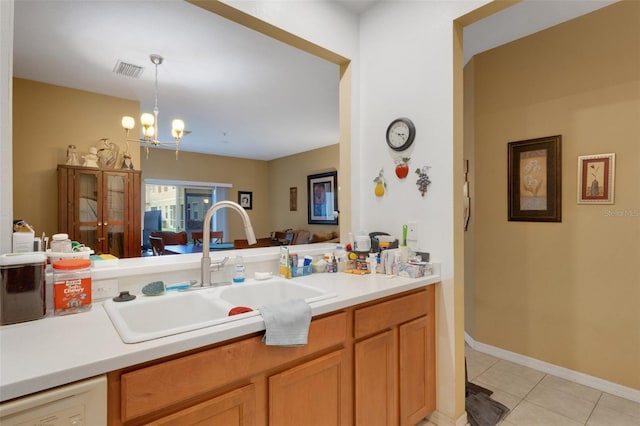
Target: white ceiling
[
  {"x": 522, "y": 19},
  {"x": 239, "y": 92}
]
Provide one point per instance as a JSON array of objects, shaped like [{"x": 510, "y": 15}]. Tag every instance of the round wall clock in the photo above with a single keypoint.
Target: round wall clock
[{"x": 400, "y": 134}]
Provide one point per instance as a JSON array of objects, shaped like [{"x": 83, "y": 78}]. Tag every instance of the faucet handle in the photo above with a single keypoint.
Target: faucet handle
[{"x": 219, "y": 265}]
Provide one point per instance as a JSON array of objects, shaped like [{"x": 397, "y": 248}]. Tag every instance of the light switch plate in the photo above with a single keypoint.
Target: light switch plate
[{"x": 104, "y": 289}]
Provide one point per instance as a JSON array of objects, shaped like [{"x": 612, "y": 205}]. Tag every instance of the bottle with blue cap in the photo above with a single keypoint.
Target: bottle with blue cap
[{"x": 238, "y": 273}]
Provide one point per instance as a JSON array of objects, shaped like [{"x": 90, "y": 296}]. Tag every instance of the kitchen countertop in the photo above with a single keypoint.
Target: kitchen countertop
[{"x": 53, "y": 351}]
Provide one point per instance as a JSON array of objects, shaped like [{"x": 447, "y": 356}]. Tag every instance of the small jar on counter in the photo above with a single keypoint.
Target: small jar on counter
[
  {"x": 71, "y": 286},
  {"x": 60, "y": 243}
]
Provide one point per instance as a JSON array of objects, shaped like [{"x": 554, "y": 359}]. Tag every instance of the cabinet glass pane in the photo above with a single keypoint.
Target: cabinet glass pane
[
  {"x": 115, "y": 235},
  {"x": 115, "y": 198},
  {"x": 114, "y": 223},
  {"x": 88, "y": 212}
]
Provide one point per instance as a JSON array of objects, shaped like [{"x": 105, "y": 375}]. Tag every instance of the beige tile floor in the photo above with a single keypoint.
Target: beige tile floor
[
  {"x": 538, "y": 399},
  {"x": 535, "y": 398}
]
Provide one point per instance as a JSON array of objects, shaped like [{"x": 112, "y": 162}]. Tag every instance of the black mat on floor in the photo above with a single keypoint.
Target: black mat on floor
[
  {"x": 481, "y": 409},
  {"x": 484, "y": 411}
]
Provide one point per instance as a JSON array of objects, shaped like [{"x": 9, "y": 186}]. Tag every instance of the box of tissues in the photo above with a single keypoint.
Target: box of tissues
[{"x": 412, "y": 269}]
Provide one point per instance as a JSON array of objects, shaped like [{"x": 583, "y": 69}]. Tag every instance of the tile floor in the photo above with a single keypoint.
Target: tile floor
[
  {"x": 535, "y": 398},
  {"x": 538, "y": 399}
]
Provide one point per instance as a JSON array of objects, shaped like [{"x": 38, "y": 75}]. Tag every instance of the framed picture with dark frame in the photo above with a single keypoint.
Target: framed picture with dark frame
[
  {"x": 596, "y": 176},
  {"x": 322, "y": 198},
  {"x": 245, "y": 199},
  {"x": 535, "y": 180},
  {"x": 293, "y": 198}
]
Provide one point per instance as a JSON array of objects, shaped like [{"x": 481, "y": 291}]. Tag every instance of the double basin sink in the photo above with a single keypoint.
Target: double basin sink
[{"x": 151, "y": 317}]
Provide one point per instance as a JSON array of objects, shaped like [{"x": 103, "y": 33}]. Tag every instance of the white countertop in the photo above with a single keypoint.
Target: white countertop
[{"x": 53, "y": 351}]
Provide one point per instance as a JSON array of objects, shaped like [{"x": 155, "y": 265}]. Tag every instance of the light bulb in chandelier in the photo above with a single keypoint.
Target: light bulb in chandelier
[
  {"x": 177, "y": 129},
  {"x": 128, "y": 122},
  {"x": 147, "y": 119}
]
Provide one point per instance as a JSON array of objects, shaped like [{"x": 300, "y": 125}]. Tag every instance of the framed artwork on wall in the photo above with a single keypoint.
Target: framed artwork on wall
[
  {"x": 535, "y": 180},
  {"x": 293, "y": 198},
  {"x": 596, "y": 176},
  {"x": 322, "y": 198},
  {"x": 245, "y": 199}
]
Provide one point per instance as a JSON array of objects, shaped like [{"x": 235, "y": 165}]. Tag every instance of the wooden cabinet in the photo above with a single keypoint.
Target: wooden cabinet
[
  {"x": 375, "y": 380},
  {"x": 178, "y": 387},
  {"x": 311, "y": 394},
  {"x": 100, "y": 208},
  {"x": 395, "y": 360},
  {"x": 372, "y": 364}
]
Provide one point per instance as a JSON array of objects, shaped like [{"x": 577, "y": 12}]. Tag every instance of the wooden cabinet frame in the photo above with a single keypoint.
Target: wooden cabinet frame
[{"x": 69, "y": 202}]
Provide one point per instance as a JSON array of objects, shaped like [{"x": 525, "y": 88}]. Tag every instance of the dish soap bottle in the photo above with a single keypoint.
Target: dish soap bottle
[{"x": 238, "y": 270}]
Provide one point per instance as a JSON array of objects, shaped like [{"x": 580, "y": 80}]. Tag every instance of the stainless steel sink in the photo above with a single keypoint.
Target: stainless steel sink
[{"x": 152, "y": 317}]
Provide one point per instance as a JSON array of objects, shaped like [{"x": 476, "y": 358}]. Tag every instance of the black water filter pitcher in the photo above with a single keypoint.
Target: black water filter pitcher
[{"x": 22, "y": 287}]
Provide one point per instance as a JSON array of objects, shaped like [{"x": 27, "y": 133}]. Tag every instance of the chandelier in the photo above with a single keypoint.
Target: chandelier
[{"x": 149, "y": 122}]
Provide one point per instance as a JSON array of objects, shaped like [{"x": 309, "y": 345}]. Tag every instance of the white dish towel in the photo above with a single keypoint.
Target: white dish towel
[{"x": 287, "y": 323}]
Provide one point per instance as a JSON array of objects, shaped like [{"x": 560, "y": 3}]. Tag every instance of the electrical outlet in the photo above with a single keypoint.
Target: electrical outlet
[
  {"x": 104, "y": 289},
  {"x": 412, "y": 231}
]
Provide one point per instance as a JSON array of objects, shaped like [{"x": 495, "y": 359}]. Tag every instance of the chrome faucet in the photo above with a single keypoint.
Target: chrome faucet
[{"x": 205, "y": 262}]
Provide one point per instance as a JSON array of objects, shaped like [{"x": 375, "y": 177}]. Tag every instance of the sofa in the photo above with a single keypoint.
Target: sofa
[{"x": 304, "y": 236}]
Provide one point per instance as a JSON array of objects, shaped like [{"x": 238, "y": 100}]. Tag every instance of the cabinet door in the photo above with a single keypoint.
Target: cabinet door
[
  {"x": 114, "y": 213},
  {"x": 375, "y": 381},
  {"x": 87, "y": 203},
  {"x": 311, "y": 394},
  {"x": 236, "y": 408},
  {"x": 417, "y": 370}
]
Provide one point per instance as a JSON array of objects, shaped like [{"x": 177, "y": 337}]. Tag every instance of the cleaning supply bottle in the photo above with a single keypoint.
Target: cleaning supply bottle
[
  {"x": 238, "y": 270},
  {"x": 372, "y": 263},
  {"x": 341, "y": 258}
]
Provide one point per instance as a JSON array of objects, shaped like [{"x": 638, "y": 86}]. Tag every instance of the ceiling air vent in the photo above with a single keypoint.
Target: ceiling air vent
[{"x": 128, "y": 70}]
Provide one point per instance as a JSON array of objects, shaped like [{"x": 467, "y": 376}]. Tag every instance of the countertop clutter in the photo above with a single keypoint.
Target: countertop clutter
[{"x": 57, "y": 350}]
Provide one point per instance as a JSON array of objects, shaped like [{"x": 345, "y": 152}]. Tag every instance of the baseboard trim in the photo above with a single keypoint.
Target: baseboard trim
[{"x": 562, "y": 372}]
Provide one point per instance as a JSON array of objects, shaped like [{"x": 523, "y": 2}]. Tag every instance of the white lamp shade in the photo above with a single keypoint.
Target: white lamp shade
[
  {"x": 128, "y": 122},
  {"x": 149, "y": 131},
  {"x": 177, "y": 125},
  {"x": 147, "y": 119}
]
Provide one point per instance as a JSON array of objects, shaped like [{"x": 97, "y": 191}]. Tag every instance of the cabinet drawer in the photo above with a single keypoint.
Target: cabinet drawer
[
  {"x": 381, "y": 316},
  {"x": 151, "y": 388},
  {"x": 236, "y": 408}
]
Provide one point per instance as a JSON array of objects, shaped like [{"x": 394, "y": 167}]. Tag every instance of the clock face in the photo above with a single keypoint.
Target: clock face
[{"x": 400, "y": 134}]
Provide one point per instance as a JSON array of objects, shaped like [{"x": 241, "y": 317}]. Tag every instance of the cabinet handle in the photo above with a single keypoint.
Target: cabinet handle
[
  {"x": 99, "y": 223},
  {"x": 106, "y": 224}
]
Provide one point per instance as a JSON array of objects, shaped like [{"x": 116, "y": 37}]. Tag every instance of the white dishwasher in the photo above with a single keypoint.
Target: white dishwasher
[{"x": 82, "y": 403}]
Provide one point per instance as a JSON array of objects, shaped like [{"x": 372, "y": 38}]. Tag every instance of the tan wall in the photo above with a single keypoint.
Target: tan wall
[
  {"x": 469, "y": 240},
  {"x": 242, "y": 174},
  {"x": 46, "y": 119},
  {"x": 566, "y": 293},
  {"x": 292, "y": 171}
]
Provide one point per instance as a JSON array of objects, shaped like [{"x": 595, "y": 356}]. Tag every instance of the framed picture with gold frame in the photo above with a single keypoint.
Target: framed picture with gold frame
[
  {"x": 596, "y": 178},
  {"x": 293, "y": 198}
]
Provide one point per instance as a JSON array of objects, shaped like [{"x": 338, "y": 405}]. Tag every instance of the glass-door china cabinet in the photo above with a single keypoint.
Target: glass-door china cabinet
[{"x": 100, "y": 208}]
